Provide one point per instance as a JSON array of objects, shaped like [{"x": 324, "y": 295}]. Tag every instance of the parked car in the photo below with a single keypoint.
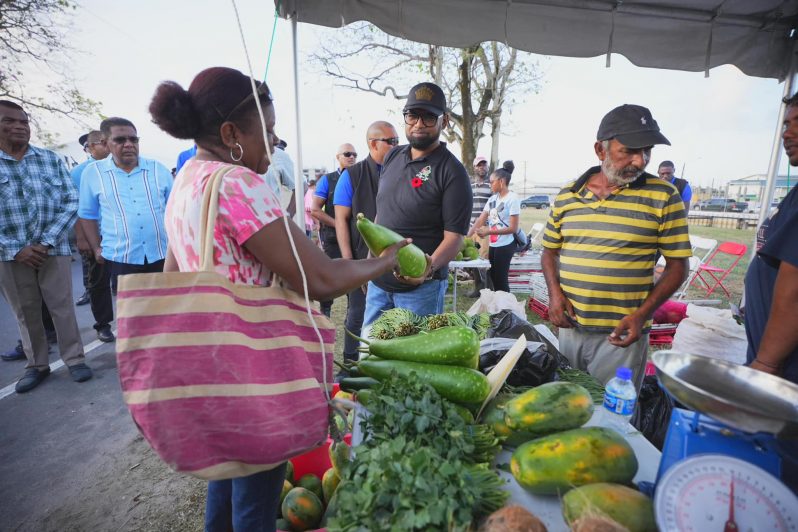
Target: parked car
[
  {"x": 721, "y": 205},
  {"x": 540, "y": 201}
]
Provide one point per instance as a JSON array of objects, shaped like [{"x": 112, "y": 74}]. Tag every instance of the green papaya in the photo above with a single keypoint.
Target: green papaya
[
  {"x": 548, "y": 408},
  {"x": 412, "y": 261}
]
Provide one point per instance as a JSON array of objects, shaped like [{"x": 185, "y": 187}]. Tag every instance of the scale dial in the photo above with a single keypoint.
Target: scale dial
[{"x": 694, "y": 494}]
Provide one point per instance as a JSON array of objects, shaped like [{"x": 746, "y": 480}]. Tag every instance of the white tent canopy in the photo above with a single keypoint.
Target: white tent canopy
[
  {"x": 756, "y": 36},
  {"x": 692, "y": 35}
]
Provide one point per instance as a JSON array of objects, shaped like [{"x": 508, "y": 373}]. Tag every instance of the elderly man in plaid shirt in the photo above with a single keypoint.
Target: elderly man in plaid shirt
[{"x": 38, "y": 205}]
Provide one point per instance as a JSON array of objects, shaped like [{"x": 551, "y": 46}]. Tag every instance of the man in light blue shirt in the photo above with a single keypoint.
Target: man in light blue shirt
[{"x": 127, "y": 195}]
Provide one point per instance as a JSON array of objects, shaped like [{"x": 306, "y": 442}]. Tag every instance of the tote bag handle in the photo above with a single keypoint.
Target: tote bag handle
[{"x": 208, "y": 213}]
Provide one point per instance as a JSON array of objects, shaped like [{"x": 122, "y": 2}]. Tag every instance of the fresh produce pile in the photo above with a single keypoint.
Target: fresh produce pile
[
  {"x": 421, "y": 466},
  {"x": 446, "y": 358},
  {"x": 402, "y": 322},
  {"x": 468, "y": 250},
  {"x": 303, "y": 500}
]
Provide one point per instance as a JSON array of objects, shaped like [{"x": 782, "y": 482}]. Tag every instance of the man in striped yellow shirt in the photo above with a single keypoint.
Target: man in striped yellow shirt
[{"x": 602, "y": 240}]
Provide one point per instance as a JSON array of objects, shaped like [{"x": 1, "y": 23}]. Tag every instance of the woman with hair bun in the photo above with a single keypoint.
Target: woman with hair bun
[
  {"x": 501, "y": 213},
  {"x": 219, "y": 112}
]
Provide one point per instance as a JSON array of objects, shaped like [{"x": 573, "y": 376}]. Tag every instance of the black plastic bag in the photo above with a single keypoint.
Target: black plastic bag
[
  {"x": 534, "y": 367},
  {"x": 505, "y": 324},
  {"x": 653, "y": 413}
]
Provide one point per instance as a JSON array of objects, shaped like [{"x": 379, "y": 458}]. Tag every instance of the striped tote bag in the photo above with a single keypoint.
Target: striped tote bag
[{"x": 222, "y": 379}]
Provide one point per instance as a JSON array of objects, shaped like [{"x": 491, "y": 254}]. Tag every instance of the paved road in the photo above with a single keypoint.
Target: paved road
[{"x": 53, "y": 439}]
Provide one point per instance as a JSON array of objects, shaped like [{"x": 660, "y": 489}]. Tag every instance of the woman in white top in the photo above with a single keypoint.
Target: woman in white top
[{"x": 501, "y": 213}]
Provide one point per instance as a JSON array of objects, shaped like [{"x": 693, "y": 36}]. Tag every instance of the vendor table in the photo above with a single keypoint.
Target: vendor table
[
  {"x": 479, "y": 264},
  {"x": 548, "y": 507}
]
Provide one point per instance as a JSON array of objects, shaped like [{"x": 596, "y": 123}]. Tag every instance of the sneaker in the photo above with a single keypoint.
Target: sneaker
[
  {"x": 32, "y": 378},
  {"x": 84, "y": 299},
  {"x": 80, "y": 372},
  {"x": 104, "y": 334},
  {"x": 14, "y": 354}
]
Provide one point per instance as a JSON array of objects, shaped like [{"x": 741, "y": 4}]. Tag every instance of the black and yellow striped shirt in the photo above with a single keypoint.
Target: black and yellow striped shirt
[{"x": 608, "y": 248}]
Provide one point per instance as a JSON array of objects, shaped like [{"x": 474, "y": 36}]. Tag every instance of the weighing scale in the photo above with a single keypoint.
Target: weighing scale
[{"x": 722, "y": 462}]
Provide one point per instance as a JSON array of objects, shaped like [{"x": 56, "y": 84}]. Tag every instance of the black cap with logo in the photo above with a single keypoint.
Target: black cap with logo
[
  {"x": 631, "y": 125},
  {"x": 83, "y": 139},
  {"x": 427, "y": 96}
]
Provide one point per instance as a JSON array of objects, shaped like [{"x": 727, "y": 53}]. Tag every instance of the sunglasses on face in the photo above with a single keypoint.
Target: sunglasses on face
[
  {"x": 427, "y": 119},
  {"x": 349, "y": 154},
  {"x": 121, "y": 140},
  {"x": 393, "y": 141}
]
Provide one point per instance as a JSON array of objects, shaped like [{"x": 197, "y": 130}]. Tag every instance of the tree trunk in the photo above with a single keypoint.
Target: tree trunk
[
  {"x": 495, "y": 131},
  {"x": 468, "y": 142}
]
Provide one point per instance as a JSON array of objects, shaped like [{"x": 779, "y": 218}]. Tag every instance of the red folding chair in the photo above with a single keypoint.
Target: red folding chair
[{"x": 715, "y": 274}]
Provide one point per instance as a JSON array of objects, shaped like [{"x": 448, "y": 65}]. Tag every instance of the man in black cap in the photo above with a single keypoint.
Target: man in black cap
[
  {"x": 424, "y": 194},
  {"x": 601, "y": 244}
]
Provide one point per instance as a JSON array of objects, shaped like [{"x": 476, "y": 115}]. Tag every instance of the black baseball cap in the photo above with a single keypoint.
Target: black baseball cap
[
  {"x": 631, "y": 125},
  {"x": 83, "y": 139},
  {"x": 427, "y": 96}
]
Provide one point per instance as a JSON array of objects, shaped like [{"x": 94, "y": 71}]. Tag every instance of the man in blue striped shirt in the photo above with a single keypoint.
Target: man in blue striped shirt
[
  {"x": 123, "y": 198},
  {"x": 38, "y": 201}
]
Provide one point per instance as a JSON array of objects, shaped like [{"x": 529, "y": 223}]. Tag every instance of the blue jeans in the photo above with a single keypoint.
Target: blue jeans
[
  {"x": 425, "y": 300},
  {"x": 248, "y": 504}
]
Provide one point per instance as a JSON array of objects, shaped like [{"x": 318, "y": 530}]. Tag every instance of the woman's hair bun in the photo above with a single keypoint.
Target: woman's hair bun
[
  {"x": 509, "y": 166},
  {"x": 173, "y": 110}
]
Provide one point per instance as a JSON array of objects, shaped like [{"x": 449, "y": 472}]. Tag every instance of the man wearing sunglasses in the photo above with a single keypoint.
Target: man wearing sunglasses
[
  {"x": 356, "y": 192},
  {"x": 124, "y": 196},
  {"x": 424, "y": 194},
  {"x": 324, "y": 211},
  {"x": 96, "y": 276}
]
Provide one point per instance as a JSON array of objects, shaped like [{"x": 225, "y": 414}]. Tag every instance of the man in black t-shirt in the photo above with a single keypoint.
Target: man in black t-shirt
[{"x": 424, "y": 194}]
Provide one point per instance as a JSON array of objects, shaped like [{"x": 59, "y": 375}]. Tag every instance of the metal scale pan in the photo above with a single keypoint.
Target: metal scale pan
[{"x": 743, "y": 398}]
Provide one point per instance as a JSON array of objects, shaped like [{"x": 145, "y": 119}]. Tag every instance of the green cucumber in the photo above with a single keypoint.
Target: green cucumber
[
  {"x": 455, "y": 383},
  {"x": 448, "y": 346},
  {"x": 352, "y": 384},
  {"x": 412, "y": 261}
]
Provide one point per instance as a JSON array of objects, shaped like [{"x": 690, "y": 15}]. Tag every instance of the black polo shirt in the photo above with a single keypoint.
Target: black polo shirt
[{"x": 421, "y": 199}]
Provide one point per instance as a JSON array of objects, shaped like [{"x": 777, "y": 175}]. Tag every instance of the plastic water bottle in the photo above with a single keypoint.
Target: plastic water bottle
[{"x": 619, "y": 400}]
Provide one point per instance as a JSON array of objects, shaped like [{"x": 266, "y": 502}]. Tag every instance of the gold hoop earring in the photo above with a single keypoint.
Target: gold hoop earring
[{"x": 233, "y": 157}]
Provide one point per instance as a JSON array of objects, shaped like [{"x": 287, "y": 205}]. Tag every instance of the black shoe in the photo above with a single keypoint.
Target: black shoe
[
  {"x": 84, "y": 299},
  {"x": 80, "y": 372},
  {"x": 14, "y": 354},
  {"x": 33, "y": 377},
  {"x": 104, "y": 334}
]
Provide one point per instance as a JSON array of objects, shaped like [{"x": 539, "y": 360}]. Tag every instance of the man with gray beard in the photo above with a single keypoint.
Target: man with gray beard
[{"x": 601, "y": 243}]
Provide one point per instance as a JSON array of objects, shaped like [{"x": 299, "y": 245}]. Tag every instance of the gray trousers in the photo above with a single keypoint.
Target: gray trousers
[
  {"x": 24, "y": 288},
  {"x": 592, "y": 352}
]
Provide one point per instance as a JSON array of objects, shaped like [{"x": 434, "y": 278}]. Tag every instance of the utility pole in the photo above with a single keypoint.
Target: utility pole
[{"x": 525, "y": 189}]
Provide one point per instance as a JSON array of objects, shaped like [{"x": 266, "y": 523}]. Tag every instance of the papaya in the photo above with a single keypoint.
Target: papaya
[
  {"x": 283, "y": 524},
  {"x": 558, "y": 462},
  {"x": 329, "y": 483},
  {"x": 625, "y": 506},
  {"x": 412, "y": 261},
  {"x": 302, "y": 509},
  {"x": 329, "y": 512},
  {"x": 311, "y": 482},
  {"x": 287, "y": 486},
  {"x": 548, "y": 408},
  {"x": 494, "y": 418}
]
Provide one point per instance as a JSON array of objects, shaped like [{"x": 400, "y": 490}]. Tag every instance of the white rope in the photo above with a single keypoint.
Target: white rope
[{"x": 285, "y": 218}]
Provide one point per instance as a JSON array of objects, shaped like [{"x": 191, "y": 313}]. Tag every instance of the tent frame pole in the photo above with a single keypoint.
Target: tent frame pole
[{"x": 299, "y": 176}]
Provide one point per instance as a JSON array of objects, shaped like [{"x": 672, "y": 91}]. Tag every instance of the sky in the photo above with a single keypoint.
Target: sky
[{"x": 721, "y": 128}]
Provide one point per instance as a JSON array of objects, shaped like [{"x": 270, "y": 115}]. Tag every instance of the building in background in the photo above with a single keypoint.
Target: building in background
[{"x": 752, "y": 187}]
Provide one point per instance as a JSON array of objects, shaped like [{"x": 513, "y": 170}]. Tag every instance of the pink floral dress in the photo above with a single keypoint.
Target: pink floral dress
[{"x": 246, "y": 204}]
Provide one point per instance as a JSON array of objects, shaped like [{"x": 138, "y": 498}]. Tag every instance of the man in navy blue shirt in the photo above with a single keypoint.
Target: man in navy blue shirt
[
  {"x": 771, "y": 283},
  {"x": 665, "y": 171}
]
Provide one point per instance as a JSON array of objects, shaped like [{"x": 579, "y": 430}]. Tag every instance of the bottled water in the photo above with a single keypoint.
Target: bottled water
[{"x": 619, "y": 400}]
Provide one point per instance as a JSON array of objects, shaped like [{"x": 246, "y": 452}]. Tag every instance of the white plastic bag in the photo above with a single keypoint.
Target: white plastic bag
[
  {"x": 493, "y": 302},
  {"x": 711, "y": 332}
]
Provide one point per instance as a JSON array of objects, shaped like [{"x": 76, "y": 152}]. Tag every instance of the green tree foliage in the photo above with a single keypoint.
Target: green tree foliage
[{"x": 35, "y": 59}]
